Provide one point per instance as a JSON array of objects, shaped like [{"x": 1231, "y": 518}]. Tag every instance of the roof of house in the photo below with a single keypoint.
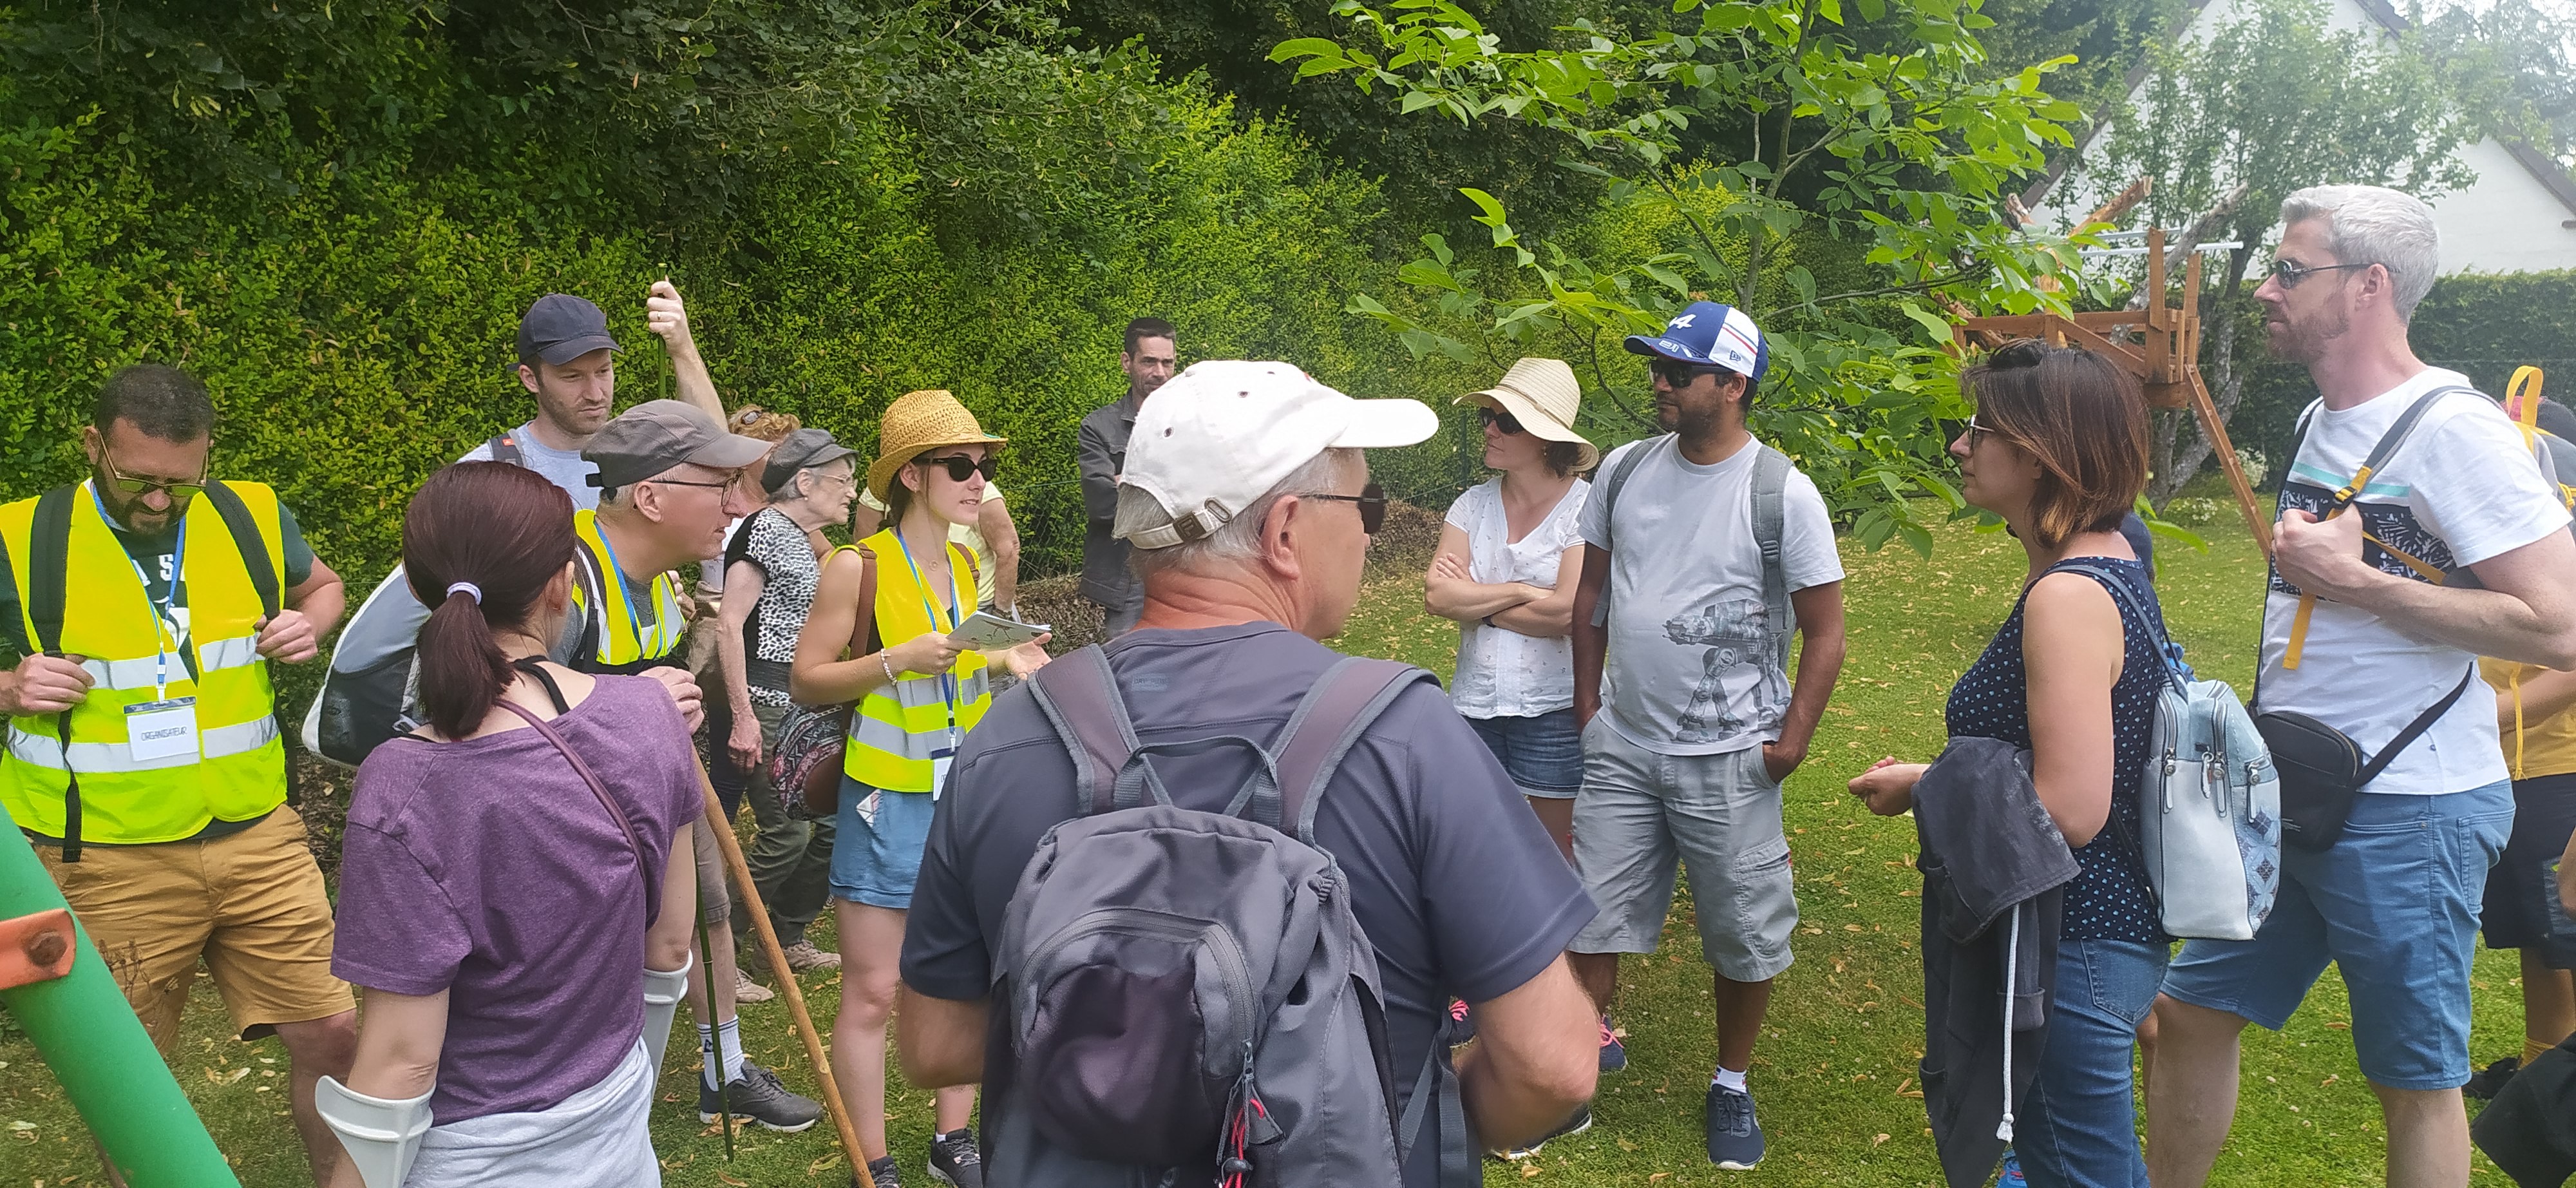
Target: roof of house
[{"x": 2550, "y": 174}]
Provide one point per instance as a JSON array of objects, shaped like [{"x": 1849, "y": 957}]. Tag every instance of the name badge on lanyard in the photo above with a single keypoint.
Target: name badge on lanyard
[{"x": 161, "y": 729}]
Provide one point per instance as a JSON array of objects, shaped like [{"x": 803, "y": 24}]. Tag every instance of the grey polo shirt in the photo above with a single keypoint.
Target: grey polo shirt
[
  {"x": 1460, "y": 890},
  {"x": 1100, "y": 447}
]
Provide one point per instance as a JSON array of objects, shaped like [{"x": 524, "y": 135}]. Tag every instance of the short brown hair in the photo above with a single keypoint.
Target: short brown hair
[{"x": 2082, "y": 417}]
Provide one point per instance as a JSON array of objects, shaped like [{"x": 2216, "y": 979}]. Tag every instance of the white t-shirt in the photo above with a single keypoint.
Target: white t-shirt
[
  {"x": 2462, "y": 489},
  {"x": 1688, "y": 668},
  {"x": 564, "y": 468},
  {"x": 1501, "y": 672}
]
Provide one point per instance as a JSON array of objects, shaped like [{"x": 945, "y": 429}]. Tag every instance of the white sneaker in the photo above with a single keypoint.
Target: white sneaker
[
  {"x": 804, "y": 958},
  {"x": 746, "y": 990}
]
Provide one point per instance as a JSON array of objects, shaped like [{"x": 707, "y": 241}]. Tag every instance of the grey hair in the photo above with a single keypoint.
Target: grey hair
[
  {"x": 2376, "y": 225},
  {"x": 1238, "y": 541}
]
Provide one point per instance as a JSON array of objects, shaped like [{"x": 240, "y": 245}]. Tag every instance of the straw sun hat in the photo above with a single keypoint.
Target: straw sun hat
[
  {"x": 1541, "y": 394},
  {"x": 916, "y": 422}
]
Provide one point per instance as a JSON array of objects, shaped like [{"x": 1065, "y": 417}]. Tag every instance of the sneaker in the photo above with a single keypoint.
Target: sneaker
[
  {"x": 1734, "y": 1138},
  {"x": 804, "y": 958},
  {"x": 759, "y": 1096},
  {"x": 1614, "y": 1055},
  {"x": 2010, "y": 1176},
  {"x": 746, "y": 990},
  {"x": 954, "y": 1161},
  {"x": 2491, "y": 1080},
  {"x": 1462, "y": 1026},
  {"x": 1576, "y": 1125},
  {"x": 884, "y": 1173}
]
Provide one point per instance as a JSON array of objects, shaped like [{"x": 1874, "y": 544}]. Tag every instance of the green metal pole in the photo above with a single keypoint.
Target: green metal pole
[{"x": 98, "y": 1050}]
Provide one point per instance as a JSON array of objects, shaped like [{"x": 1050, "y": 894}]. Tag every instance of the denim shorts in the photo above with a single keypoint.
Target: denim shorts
[
  {"x": 2394, "y": 904},
  {"x": 1640, "y": 813},
  {"x": 876, "y": 846},
  {"x": 1544, "y": 754}
]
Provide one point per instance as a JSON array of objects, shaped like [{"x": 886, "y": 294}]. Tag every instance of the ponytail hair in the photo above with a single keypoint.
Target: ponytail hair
[{"x": 481, "y": 542}]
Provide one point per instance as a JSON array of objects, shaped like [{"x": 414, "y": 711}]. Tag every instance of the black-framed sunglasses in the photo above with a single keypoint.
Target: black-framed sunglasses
[
  {"x": 138, "y": 485},
  {"x": 1677, "y": 374},
  {"x": 1509, "y": 424},
  {"x": 959, "y": 466},
  {"x": 2290, "y": 272},
  {"x": 1978, "y": 433},
  {"x": 1371, "y": 501}
]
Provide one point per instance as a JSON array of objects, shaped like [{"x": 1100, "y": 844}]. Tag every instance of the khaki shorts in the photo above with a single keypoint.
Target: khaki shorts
[
  {"x": 251, "y": 904},
  {"x": 1640, "y": 814}
]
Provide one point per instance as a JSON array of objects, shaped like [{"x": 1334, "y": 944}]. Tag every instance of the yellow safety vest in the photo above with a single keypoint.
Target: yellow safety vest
[
  {"x": 630, "y": 638},
  {"x": 238, "y": 772},
  {"x": 896, "y": 730}
]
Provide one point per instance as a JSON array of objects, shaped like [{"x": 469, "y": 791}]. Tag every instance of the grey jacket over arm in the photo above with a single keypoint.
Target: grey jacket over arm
[{"x": 1100, "y": 447}]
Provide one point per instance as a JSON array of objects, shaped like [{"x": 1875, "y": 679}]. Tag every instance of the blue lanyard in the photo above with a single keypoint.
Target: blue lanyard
[
  {"x": 652, "y": 590},
  {"x": 947, "y": 678},
  {"x": 160, "y": 606}
]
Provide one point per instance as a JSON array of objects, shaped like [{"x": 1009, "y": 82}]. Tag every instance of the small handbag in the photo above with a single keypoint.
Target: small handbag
[
  {"x": 806, "y": 767},
  {"x": 2322, "y": 770}
]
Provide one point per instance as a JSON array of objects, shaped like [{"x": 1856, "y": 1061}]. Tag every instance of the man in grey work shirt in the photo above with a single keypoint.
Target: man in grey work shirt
[{"x": 1101, "y": 447}]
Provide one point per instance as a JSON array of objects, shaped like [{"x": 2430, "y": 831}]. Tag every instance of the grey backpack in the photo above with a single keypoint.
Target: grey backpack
[
  {"x": 1770, "y": 517},
  {"x": 1185, "y": 996},
  {"x": 2209, "y": 801}
]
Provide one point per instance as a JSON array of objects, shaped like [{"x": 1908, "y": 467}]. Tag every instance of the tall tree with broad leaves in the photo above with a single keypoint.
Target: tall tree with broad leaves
[
  {"x": 1881, "y": 139},
  {"x": 2273, "y": 100}
]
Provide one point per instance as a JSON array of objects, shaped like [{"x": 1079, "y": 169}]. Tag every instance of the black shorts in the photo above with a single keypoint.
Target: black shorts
[{"x": 2522, "y": 909}]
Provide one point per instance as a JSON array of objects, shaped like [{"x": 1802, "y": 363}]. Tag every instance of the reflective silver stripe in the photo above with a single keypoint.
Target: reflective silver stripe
[
  {"x": 45, "y": 751},
  {"x": 891, "y": 739},
  {"x": 129, "y": 675},
  {"x": 915, "y": 692}
]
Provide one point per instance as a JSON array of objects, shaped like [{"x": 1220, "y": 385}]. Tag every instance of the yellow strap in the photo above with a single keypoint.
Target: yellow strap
[
  {"x": 2423, "y": 570},
  {"x": 2308, "y": 602},
  {"x": 2299, "y": 632},
  {"x": 2515, "y": 681},
  {"x": 2525, "y": 404}
]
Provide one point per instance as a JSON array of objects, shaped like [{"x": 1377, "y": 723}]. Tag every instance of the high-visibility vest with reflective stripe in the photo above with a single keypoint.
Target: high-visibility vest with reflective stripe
[
  {"x": 629, "y": 637},
  {"x": 239, "y": 770},
  {"x": 896, "y": 730}
]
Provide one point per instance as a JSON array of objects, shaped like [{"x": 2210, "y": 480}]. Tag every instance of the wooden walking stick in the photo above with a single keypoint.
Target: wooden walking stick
[{"x": 731, "y": 846}]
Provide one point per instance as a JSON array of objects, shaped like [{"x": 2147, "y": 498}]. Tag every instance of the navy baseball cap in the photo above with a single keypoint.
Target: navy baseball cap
[
  {"x": 1709, "y": 335},
  {"x": 560, "y": 328}
]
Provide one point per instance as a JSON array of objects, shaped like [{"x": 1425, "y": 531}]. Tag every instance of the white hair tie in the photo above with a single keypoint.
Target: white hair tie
[{"x": 471, "y": 590}]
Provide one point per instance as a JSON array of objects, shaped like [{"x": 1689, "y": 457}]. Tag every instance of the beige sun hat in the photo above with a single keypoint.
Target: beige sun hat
[
  {"x": 919, "y": 421},
  {"x": 1542, "y": 395}
]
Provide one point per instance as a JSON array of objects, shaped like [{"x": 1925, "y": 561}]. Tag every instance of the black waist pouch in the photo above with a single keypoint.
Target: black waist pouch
[{"x": 2322, "y": 770}]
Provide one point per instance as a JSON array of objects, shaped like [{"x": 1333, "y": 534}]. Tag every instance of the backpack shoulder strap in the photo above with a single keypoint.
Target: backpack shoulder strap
[
  {"x": 974, "y": 572},
  {"x": 1344, "y": 702},
  {"x": 2389, "y": 443},
  {"x": 1079, "y": 696},
  {"x": 264, "y": 575},
  {"x": 49, "y": 568},
  {"x": 1770, "y": 523},
  {"x": 1606, "y": 491},
  {"x": 505, "y": 448}
]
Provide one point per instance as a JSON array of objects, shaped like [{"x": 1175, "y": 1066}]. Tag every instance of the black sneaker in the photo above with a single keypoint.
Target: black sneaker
[
  {"x": 2491, "y": 1080},
  {"x": 954, "y": 1161},
  {"x": 1580, "y": 1122},
  {"x": 758, "y": 1096},
  {"x": 1734, "y": 1138},
  {"x": 884, "y": 1173}
]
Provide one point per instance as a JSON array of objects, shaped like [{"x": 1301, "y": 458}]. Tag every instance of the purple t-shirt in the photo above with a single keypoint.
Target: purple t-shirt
[{"x": 487, "y": 869}]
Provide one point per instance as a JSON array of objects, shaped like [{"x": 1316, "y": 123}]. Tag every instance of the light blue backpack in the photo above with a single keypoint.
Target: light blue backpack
[{"x": 2209, "y": 800}]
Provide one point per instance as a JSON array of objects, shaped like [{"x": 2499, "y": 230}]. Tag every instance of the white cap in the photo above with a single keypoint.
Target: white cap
[{"x": 1221, "y": 434}]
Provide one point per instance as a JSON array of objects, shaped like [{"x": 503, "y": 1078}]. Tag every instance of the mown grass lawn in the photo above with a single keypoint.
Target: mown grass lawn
[{"x": 1834, "y": 1073}]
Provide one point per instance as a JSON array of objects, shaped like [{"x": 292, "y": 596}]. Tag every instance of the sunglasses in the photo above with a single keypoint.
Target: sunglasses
[
  {"x": 2290, "y": 273},
  {"x": 1676, "y": 374},
  {"x": 137, "y": 484},
  {"x": 1372, "y": 505},
  {"x": 959, "y": 466},
  {"x": 1978, "y": 433},
  {"x": 1509, "y": 424}
]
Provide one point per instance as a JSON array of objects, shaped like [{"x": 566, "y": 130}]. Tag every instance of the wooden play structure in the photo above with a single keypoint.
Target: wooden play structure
[{"x": 2157, "y": 342}]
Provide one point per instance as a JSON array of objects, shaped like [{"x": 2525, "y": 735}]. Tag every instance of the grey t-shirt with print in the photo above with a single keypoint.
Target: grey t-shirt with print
[
  {"x": 564, "y": 468},
  {"x": 1688, "y": 672}
]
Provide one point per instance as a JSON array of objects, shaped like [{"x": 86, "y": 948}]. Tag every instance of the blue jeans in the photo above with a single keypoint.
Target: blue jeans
[
  {"x": 2079, "y": 1124},
  {"x": 2394, "y": 904}
]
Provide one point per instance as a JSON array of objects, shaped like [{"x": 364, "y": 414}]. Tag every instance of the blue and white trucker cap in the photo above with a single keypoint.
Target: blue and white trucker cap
[{"x": 1710, "y": 335}]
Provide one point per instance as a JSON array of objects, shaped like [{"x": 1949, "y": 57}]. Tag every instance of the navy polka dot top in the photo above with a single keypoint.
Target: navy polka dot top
[{"x": 2109, "y": 899}]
